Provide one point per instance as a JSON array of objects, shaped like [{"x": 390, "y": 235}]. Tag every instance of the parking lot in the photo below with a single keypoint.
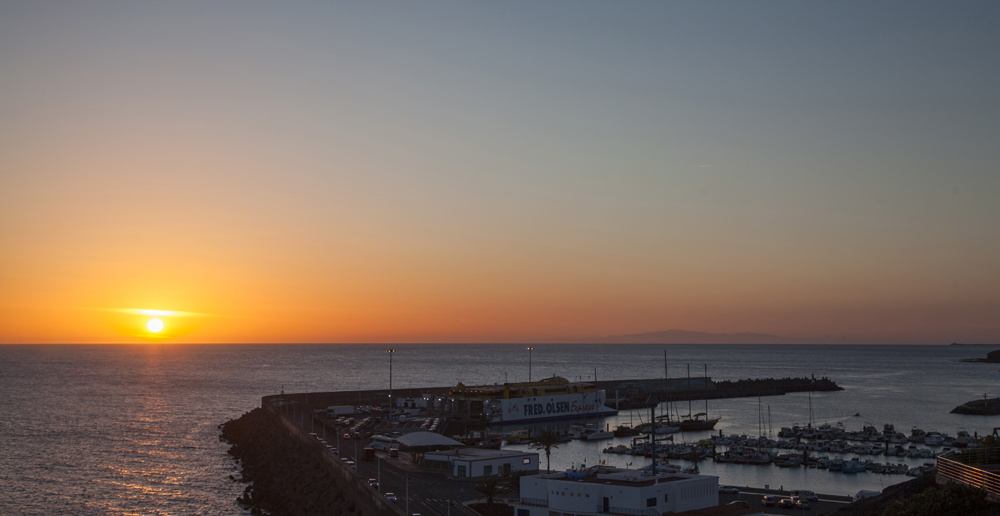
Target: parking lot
[{"x": 412, "y": 488}]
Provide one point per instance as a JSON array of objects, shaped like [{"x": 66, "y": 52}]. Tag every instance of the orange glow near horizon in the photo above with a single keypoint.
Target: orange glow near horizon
[{"x": 340, "y": 180}]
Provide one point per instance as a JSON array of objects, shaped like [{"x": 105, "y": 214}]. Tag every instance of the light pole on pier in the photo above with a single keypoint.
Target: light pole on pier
[
  {"x": 529, "y": 364},
  {"x": 390, "y": 352}
]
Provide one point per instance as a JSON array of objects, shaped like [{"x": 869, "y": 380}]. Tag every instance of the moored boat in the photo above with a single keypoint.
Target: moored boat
[{"x": 548, "y": 399}]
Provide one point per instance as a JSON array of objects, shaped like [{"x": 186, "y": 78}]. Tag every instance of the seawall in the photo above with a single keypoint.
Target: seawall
[
  {"x": 290, "y": 473},
  {"x": 674, "y": 389}
]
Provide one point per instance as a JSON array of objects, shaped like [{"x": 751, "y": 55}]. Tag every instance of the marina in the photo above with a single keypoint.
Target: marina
[{"x": 922, "y": 386}]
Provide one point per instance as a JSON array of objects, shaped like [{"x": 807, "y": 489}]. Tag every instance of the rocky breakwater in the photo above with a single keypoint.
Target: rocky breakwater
[
  {"x": 282, "y": 478},
  {"x": 983, "y": 407},
  {"x": 773, "y": 386}
]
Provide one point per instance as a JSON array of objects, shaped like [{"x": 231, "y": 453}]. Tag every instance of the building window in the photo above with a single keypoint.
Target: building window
[
  {"x": 487, "y": 471},
  {"x": 665, "y": 499},
  {"x": 650, "y": 502},
  {"x": 526, "y": 460}
]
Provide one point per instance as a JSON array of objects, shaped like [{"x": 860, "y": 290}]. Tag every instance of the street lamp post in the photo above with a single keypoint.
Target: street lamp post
[
  {"x": 529, "y": 364},
  {"x": 390, "y": 352}
]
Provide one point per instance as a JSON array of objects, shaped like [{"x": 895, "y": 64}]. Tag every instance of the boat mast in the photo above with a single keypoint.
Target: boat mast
[
  {"x": 666, "y": 376},
  {"x": 689, "y": 392},
  {"x": 760, "y": 423},
  {"x": 810, "y": 409},
  {"x": 666, "y": 384},
  {"x": 706, "y": 392}
]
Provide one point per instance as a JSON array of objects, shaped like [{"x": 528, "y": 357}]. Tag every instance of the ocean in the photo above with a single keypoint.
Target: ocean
[{"x": 132, "y": 429}]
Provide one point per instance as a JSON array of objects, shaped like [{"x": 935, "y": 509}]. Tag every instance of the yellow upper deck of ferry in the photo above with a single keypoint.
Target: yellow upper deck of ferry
[{"x": 547, "y": 387}]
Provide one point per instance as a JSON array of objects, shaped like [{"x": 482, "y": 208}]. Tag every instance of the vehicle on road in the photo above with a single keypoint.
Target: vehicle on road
[
  {"x": 802, "y": 503},
  {"x": 865, "y": 494},
  {"x": 786, "y": 503},
  {"x": 805, "y": 493},
  {"x": 391, "y": 497},
  {"x": 728, "y": 489},
  {"x": 768, "y": 501}
]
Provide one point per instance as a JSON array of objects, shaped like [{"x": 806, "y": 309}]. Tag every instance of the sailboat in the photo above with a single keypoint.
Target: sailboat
[
  {"x": 662, "y": 424},
  {"x": 699, "y": 421}
]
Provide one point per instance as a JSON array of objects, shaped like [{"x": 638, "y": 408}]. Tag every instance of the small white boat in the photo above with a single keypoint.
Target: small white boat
[
  {"x": 933, "y": 439},
  {"x": 598, "y": 435}
]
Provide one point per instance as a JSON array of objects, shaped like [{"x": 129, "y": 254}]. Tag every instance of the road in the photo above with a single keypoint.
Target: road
[{"x": 826, "y": 503}]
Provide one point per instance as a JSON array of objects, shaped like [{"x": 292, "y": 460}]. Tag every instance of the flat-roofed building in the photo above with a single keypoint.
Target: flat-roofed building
[
  {"x": 602, "y": 490},
  {"x": 479, "y": 462}
]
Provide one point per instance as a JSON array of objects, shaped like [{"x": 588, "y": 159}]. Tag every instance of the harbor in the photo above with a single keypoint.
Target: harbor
[{"x": 833, "y": 457}]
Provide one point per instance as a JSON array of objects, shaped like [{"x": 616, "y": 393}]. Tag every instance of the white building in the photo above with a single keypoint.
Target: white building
[
  {"x": 478, "y": 462},
  {"x": 602, "y": 490},
  {"x": 412, "y": 403}
]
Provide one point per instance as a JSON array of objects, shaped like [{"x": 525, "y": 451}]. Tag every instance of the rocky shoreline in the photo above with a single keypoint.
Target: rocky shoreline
[
  {"x": 282, "y": 478},
  {"x": 984, "y": 407},
  {"x": 748, "y": 388}
]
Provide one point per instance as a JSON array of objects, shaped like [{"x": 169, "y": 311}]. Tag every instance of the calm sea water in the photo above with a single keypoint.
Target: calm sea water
[{"x": 133, "y": 429}]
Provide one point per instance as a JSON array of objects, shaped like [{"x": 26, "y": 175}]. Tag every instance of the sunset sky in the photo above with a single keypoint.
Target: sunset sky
[{"x": 498, "y": 171}]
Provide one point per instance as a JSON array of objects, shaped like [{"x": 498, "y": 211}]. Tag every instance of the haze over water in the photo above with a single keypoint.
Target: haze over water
[{"x": 132, "y": 429}]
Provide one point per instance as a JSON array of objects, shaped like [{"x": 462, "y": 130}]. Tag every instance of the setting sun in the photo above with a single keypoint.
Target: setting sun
[{"x": 154, "y": 325}]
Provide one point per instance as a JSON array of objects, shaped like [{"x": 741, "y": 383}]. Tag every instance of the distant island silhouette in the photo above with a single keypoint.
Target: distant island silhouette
[
  {"x": 685, "y": 337},
  {"x": 992, "y": 357}
]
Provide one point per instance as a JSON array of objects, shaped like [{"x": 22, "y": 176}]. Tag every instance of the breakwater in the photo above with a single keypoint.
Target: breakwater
[
  {"x": 673, "y": 389},
  {"x": 282, "y": 477},
  {"x": 289, "y": 474},
  {"x": 634, "y": 393},
  {"x": 983, "y": 407}
]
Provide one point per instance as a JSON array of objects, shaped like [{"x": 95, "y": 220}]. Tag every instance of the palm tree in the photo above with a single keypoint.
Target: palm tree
[
  {"x": 695, "y": 457},
  {"x": 490, "y": 487},
  {"x": 513, "y": 481},
  {"x": 546, "y": 440}
]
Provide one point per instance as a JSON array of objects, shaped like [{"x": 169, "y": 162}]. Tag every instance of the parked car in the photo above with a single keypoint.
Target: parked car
[
  {"x": 740, "y": 503},
  {"x": 768, "y": 501},
  {"x": 728, "y": 489}
]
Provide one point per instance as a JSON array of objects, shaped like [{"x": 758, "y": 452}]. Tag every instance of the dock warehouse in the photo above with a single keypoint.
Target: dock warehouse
[
  {"x": 479, "y": 462},
  {"x": 604, "y": 490}
]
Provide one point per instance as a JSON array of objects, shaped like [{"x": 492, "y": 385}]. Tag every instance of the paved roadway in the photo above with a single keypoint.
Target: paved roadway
[
  {"x": 429, "y": 494},
  {"x": 826, "y": 503}
]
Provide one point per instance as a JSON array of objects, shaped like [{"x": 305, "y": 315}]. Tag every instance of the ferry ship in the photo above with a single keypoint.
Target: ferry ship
[{"x": 544, "y": 400}]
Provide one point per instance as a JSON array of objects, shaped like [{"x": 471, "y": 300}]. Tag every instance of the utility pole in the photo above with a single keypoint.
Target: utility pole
[
  {"x": 390, "y": 352},
  {"x": 529, "y": 364},
  {"x": 653, "y": 402}
]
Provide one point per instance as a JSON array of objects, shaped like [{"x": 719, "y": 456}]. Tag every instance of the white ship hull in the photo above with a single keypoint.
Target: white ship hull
[{"x": 547, "y": 408}]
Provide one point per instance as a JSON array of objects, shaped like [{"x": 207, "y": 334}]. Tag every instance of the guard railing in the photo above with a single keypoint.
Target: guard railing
[{"x": 975, "y": 467}]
